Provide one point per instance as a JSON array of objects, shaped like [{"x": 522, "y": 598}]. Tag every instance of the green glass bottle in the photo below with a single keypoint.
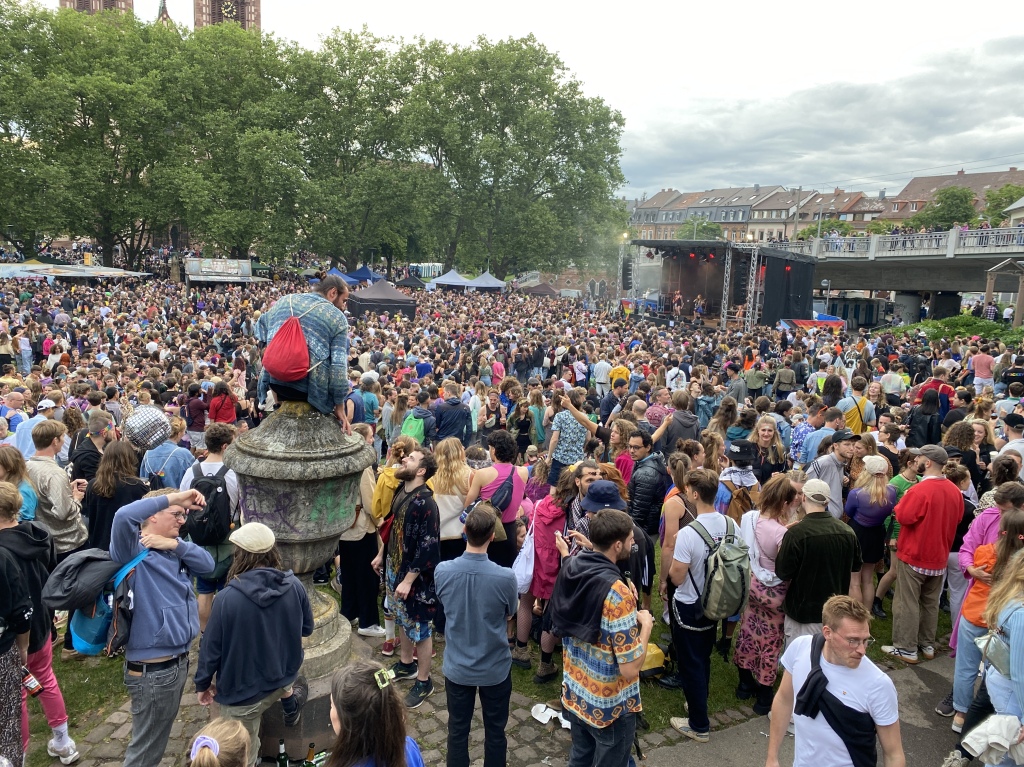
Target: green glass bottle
[{"x": 282, "y": 755}]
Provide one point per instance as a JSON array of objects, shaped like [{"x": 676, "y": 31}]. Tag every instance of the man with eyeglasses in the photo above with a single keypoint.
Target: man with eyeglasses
[
  {"x": 841, "y": 704},
  {"x": 165, "y": 615}
]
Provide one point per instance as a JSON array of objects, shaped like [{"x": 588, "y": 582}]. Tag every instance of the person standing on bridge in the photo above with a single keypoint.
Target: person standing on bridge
[{"x": 321, "y": 316}]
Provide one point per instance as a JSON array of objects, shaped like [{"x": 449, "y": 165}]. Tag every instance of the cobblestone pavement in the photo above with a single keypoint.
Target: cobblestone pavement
[{"x": 530, "y": 743}]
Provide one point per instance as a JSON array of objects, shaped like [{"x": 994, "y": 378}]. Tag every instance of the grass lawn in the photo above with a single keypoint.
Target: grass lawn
[{"x": 93, "y": 689}]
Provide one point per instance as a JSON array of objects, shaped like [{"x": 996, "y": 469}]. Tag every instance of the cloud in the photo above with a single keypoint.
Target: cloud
[{"x": 960, "y": 106}]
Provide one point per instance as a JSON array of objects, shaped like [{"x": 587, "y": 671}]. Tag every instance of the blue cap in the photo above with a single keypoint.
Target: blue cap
[{"x": 603, "y": 494}]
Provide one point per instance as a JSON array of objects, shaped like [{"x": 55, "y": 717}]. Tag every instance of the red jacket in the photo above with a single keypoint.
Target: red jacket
[{"x": 928, "y": 513}]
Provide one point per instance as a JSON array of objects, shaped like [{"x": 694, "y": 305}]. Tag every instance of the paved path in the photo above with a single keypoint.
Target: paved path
[{"x": 739, "y": 739}]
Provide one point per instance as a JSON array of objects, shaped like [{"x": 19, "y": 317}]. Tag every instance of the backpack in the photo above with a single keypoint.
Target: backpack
[
  {"x": 286, "y": 357},
  {"x": 93, "y": 629},
  {"x": 414, "y": 427},
  {"x": 726, "y": 573},
  {"x": 211, "y": 524},
  {"x": 743, "y": 500},
  {"x": 855, "y": 417},
  {"x": 156, "y": 479},
  {"x": 186, "y": 414},
  {"x": 802, "y": 370}
]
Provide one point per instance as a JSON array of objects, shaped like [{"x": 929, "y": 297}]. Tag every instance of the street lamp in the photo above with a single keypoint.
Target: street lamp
[{"x": 827, "y": 285}]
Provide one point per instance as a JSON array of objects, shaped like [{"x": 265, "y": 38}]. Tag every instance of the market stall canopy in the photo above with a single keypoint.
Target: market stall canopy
[
  {"x": 37, "y": 269},
  {"x": 219, "y": 270},
  {"x": 379, "y": 298},
  {"x": 411, "y": 282},
  {"x": 450, "y": 279},
  {"x": 487, "y": 281},
  {"x": 541, "y": 289},
  {"x": 365, "y": 274},
  {"x": 338, "y": 273}
]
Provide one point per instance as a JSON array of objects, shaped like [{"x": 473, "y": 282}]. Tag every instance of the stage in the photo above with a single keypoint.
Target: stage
[{"x": 739, "y": 286}]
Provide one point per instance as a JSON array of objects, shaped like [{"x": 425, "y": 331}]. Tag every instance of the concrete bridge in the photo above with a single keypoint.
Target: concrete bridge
[{"x": 949, "y": 262}]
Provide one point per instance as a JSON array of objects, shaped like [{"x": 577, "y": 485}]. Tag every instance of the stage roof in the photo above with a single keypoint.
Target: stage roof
[{"x": 722, "y": 245}]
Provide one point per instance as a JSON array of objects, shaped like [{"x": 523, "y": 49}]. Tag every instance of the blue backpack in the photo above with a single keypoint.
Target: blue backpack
[{"x": 94, "y": 630}]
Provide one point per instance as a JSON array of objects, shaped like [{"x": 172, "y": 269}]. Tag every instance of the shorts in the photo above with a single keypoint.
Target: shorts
[
  {"x": 197, "y": 439},
  {"x": 872, "y": 542},
  {"x": 416, "y": 631},
  {"x": 204, "y": 586}
]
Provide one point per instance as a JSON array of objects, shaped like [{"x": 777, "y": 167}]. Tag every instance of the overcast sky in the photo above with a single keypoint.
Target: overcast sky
[{"x": 797, "y": 93}]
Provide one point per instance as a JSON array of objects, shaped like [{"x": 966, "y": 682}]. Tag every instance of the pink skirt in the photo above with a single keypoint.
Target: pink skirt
[{"x": 762, "y": 632}]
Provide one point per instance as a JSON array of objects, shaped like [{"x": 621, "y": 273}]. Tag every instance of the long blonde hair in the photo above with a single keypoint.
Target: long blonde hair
[
  {"x": 1009, "y": 588},
  {"x": 452, "y": 475},
  {"x": 876, "y": 486},
  {"x": 776, "y": 450}
]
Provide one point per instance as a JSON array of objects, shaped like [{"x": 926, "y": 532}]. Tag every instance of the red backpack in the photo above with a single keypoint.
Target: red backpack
[{"x": 286, "y": 357}]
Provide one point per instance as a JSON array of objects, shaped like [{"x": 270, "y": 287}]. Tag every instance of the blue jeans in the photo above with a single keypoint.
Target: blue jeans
[
  {"x": 155, "y": 696},
  {"x": 494, "y": 704},
  {"x": 968, "y": 657},
  {"x": 601, "y": 746}
]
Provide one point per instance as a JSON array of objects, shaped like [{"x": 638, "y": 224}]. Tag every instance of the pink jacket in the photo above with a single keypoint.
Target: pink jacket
[
  {"x": 984, "y": 529},
  {"x": 546, "y": 561}
]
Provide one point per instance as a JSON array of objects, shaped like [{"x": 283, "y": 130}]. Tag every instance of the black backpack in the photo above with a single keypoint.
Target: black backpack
[{"x": 210, "y": 525}]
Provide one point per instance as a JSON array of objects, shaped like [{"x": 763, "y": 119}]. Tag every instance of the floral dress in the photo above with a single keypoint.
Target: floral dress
[{"x": 414, "y": 546}]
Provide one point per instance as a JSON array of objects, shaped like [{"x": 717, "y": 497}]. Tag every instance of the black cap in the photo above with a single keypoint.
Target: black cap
[
  {"x": 842, "y": 435},
  {"x": 742, "y": 450},
  {"x": 1014, "y": 421}
]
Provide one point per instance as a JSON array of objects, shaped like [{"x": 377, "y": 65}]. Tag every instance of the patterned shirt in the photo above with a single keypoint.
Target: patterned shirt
[
  {"x": 800, "y": 432},
  {"x": 593, "y": 688}
]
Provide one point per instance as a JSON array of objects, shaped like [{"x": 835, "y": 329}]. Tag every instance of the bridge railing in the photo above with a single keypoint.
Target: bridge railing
[{"x": 947, "y": 244}]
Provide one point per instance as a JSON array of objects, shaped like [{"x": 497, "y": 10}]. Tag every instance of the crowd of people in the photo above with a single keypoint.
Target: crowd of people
[{"x": 545, "y": 471}]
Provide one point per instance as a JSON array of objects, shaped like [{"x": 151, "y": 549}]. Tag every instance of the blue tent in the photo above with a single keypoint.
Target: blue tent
[
  {"x": 364, "y": 274},
  {"x": 338, "y": 273}
]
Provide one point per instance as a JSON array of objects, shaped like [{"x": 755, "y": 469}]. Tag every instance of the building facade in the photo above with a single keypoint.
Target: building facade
[
  {"x": 921, "y": 190},
  {"x": 96, "y": 6},
  {"x": 245, "y": 12}
]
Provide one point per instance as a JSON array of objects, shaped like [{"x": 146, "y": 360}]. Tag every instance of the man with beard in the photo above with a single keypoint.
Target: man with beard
[
  {"x": 605, "y": 642},
  {"x": 408, "y": 563}
]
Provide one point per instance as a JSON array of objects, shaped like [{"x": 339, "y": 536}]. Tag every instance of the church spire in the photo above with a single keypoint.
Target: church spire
[{"x": 163, "y": 15}]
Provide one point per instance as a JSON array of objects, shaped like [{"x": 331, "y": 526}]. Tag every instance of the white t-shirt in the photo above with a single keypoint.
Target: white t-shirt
[
  {"x": 209, "y": 468},
  {"x": 691, "y": 549},
  {"x": 864, "y": 688}
]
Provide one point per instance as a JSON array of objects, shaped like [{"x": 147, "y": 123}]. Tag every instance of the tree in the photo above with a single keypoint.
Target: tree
[
  {"x": 878, "y": 226},
  {"x": 998, "y": 200},
  {"x": 845, "y": 229},
  {"x": 527, "y": 156},
  {"x": 699, "y": 228},
  {"x": 951, "y": 206}
]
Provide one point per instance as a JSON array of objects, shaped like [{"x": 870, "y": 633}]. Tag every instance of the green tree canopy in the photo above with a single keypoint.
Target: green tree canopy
[
  {"x": 699, "y": 228},
  {"x": 952, "y": 205},
  {"x": 998, "y": 200},
  {"x": 845, "y": 229}
]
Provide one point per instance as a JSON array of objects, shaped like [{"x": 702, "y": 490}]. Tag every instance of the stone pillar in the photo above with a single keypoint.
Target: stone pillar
[
  {"x": 990, "y": 286},
  {"x": 298, "y": 473},
  {"x": 944, "y": 304},
  {"x": 908, "y": 306},
  {"x": 1018, "y": 307}
]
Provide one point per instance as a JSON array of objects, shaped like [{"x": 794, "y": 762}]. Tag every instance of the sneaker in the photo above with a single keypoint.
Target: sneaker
[
  {"x": 521, "y": 657},
  {"x": 388, "y": 648},
  {"x": 958, "y": 723},
  {"x": 545, "y": 673},
  {"x": 403, "y": 672},
  {"x": 877, "y": 610},
  {"x": 671, "y": 682},
  {"x": 419, "y": 693},
  {"x": 336, "y": 584},
  {"x": 928, "y": 652},
  {"x": 956, "y": 759},
  {"x": 903, "y": 655},
  {"x": 946, "y": 707},
  {"x": 70, "y": 654},
  {"x": 321, "y": 580},
  {"x": 372, "y": 631},
  {"x": 683, "y": 725},
  {"x": 67, "y": 755},
  {"x": 300, "y": 692}
]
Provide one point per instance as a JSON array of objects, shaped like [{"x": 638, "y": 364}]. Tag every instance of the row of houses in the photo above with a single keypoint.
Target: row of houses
[{"x": 764, "y": 213}]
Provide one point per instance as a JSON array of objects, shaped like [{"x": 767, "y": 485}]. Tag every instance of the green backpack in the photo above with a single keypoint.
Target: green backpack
[{"x": 413, "y": 426}]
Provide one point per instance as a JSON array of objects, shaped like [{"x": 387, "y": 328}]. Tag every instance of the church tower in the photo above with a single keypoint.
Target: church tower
[
  {"x": 245, "y": 12},
  {"x": 163, "y": 16},
  {"x": 95, "y": 6}
]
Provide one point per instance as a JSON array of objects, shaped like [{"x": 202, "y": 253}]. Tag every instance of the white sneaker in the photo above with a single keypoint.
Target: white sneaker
[
  {"x": 927, "y": 651},
  {"x": 67, "y": 755},
  {"x": 371, "y": 631},
  {"x": 903, "y": 655}
]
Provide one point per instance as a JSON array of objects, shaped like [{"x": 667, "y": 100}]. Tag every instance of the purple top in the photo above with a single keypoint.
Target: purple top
[{"x": 865, "y": 513}]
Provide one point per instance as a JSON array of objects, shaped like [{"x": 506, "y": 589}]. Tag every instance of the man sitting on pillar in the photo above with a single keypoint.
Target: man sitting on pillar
[{"x": 322, "y": 319}]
